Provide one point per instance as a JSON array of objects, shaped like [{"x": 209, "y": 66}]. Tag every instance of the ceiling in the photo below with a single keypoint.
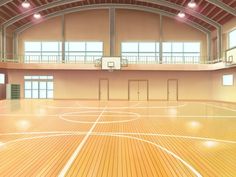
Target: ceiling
[{"x": 206, "y": 14}]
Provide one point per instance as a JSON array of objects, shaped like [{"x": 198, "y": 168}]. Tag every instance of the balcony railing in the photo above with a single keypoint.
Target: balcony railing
[{"x": 56, "y": 59}]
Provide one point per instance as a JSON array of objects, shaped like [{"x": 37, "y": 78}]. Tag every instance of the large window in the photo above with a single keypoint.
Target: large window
[
  {"x": 38, "y": 87},
  {"x": 181, "y": 52},
  {"x": 228, "y": 80},
  {"x": 2, "y": 78},
  {"x": 43, "y": 52},
  {"x": 51, "y": 52},
  {"x": 232, "y": 39},
  {"x": 172, "y": 52},
  {"x": 140, "y": 52},
  {"x": 83, "y": 52}
]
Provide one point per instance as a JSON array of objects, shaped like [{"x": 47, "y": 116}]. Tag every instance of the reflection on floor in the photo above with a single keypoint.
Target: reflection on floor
[{"x": 92, "y": 138}]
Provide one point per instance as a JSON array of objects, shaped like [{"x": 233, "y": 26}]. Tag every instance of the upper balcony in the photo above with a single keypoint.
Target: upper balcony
[{"x": 172, "y": 63}]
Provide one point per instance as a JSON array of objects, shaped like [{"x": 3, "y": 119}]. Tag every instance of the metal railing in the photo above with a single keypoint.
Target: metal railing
[
  {"x": 76, "y": 59},
  {"x": 52, "y": 59},
  {"x": 170, "y": 60}
]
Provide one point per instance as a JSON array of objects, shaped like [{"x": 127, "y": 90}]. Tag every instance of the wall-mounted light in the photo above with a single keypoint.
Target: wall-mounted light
[
  {"x": 181, "y": 14},
  {"x": 37, "y": 16},
  {"x": 192, "y": 4},
  {"x": 25, "y": 4}
]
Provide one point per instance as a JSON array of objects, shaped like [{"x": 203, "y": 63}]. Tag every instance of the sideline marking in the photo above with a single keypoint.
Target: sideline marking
[
  {"x": 78, "y": 149},
  {"x": 69, "y": 163}
]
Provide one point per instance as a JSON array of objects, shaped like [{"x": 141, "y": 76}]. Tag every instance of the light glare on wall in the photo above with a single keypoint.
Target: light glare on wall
[
  {"x": 2, "y": 78},
  {"x": 228, "y": 80}
]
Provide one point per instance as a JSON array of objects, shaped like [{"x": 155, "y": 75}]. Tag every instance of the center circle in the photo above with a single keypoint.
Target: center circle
[{"x": 88, "y": 114}]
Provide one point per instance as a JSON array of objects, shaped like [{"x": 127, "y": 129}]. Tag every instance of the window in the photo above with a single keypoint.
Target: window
[
  {"x": 83, "y": 52},
  {"x": 228, "y": 80},
  {"x": 232, "y": 39},
  {"x": 39, "y": 87},
  {"x": 181, "y": 52},
  {"x": 140, "y": 52},
  {"x": 43, "y": 52},
  {"x": 2, "y": 78}
]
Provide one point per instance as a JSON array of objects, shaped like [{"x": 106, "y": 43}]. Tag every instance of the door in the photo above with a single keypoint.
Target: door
[
  {"x": 172, "y": 90},
  {"x": 138, "y": 90},
  {"x": 133, "y": 91},
  {"x": 103, "y": 89},
  {"x": 143, "y": 91}
]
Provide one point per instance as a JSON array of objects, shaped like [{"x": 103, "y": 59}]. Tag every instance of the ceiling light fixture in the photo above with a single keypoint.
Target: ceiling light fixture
[
  {"x": 181, "y": 14},
  {"x": 25, "y": 4},
  {"x": 192, "y": 4},
  {"x": 37, "y": 16}
]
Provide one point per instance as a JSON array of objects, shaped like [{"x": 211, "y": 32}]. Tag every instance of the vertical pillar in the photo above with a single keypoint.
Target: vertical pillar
[
  {"x": 219, "y": 42},
  {"x": 15, "y": 47},
  {"x": 209, "y": 47},
  {"x": 4, "y": 40},
  {"x": 160, "y": 39},
  {"x": 63, "y": 37},
  {"x": 112, "y": 31}
]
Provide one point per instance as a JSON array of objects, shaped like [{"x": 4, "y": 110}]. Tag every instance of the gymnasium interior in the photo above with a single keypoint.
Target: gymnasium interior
[{"x": 118, "y": 88}]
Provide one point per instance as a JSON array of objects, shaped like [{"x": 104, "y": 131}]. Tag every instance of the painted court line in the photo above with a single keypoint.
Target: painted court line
[
  {"x": 135, "y": 116},
  {"x": 58, "y": 133},
  {"x": 77, "y": 151},
  {"x": 125, "y": 107},
  {"x": 220, "y": 107},
  {"x": 73, "y": 157}
]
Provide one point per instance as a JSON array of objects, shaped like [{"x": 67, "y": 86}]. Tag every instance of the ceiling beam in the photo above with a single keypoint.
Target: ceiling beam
[
  {"x": 3, "y": 2},
  {"x": 223, "y": 6},
  {"x": 158, "y": 2},
  {"x": 184, "y": 9},
  {"x": 117, "y": 6}
]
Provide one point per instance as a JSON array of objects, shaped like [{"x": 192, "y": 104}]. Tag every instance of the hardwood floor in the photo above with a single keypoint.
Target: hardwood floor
[{"x": 117, "y": 138}]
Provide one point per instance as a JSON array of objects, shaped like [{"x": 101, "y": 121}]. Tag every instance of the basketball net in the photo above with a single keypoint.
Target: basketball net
[{"x": 110, "y": 69}]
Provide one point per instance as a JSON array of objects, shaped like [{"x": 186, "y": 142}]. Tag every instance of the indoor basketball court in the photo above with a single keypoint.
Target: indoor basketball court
[{"x": 139, "y": 88}]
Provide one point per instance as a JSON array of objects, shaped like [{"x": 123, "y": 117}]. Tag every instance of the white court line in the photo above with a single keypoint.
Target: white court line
[
  {"x": 133, "y": 114},
  {"x": 220, "y": 107},
  {"x": 118, "y": 133},
  {"x": 140, "y": 115},
  {"x": 78, "y": 149},
  {"x": 183, "y": 116},
  {"x": 114, "y": 107},
  {"x": 73, "y": 157},
  {"x": 29, "y": 115}
]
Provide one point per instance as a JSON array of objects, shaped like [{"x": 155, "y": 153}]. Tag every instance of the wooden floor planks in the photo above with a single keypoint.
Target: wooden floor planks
[{"x": 132, "y": 139}]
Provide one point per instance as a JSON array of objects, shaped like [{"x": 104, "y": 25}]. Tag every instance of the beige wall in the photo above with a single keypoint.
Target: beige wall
[
  {"x": 49, "y": 30},
  {"x": 131, "y": 25},
  {"x": 134, "y": 25},
  {"x": 174, "y": 30},
  {"x": 226, "y": 28},
  {"x": 92, "y": 25},
  {"x": 85, "y": 84},
  {"x": 220, "y": 92}
]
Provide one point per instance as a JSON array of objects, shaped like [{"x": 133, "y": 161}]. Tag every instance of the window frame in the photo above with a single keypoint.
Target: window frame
[
  {"x": 136, "y": 55},
  {"x": 231, "y": 47},
  {"x": 222, "y": 80},
  {"x": 38, "y": 80}
]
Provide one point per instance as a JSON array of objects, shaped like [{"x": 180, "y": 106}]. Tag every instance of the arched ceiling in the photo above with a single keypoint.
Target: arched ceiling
[{"x": 209, "y": 14}]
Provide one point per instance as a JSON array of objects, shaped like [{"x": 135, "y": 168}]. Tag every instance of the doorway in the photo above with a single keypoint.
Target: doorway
[
  {"x": 172, "y": 90},
  {"x": 103, "y": 89},
  {"x": 138, "y": 90}
]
